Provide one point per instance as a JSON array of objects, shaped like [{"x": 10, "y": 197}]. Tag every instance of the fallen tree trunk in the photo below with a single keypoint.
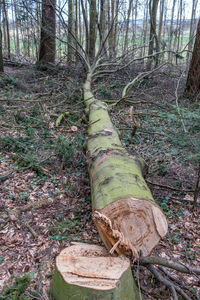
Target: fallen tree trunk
[
  {"x": 87, "y": 272},
  {"x": 124, "y": 211},
  {"x": 125, "y": 214}
]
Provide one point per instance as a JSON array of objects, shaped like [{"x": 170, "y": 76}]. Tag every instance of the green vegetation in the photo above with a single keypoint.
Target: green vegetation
[
  {"x": 67, "y": 229},
  {"x": 64, "y": 149},
  {"x": 17, "y": 291}
]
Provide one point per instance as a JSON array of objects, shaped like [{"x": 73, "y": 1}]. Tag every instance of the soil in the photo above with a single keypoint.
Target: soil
[{"x": 45, "y": 193}]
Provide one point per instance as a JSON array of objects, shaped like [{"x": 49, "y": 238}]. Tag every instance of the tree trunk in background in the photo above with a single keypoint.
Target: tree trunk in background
[
  {"x": 7, "y": 31},
  {"x": 182, "y": 26},
  {"x": 162, "y": 5},
  {"x": 171, "y": 30},
  {"x": 1, "y": 51},
  {"x": 13, "y": 25},
  {"x": 48, "y": 32},
  {"x": 145, "y": 26},
  {"x": 115, "y": 28},
  {"x": 127, "y": 26},
  {"x": 27, "y": 31},
  {"x": 92, "y": 34},
  {"x": 77, "y": 24},
  {"x": 192, "y": 28},
  {"x": 179, "y": 24},
  {"x": 70, "y": 30},
  {"x": 112, "y": 14},
  {"x": 102, "y": 26},
  {"x": 80, "y": 23},
  {"x": 86, "y": 27},
  {"x": 1, "y": 44},
  {"x": 193, "y": 79},
  {"x": 153, "y": 40},
  {"x": 134, "y": 25}
]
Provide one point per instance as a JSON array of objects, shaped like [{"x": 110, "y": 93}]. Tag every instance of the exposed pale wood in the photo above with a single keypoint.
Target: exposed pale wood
[
  {"x": 86, "y": 271},
  {"x": 124, "y": 211}
]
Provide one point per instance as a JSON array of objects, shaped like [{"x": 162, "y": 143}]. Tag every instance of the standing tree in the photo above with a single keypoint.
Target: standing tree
[
  {"x": 127, "y": 26},
  {"x": 1, "y": 52},
  {"x": 193, "y": 79},
  {"x": 48, "y": 32},
  {"x": 92, "y": 34},
  {"x": 70, "y": 29},
  {"x": 153, "y": 39},
  {"x": 1, "y": 44},
  {"x": 6, "y": 23}
]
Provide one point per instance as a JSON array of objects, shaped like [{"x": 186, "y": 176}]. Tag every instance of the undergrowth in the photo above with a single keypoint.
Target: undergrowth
[{"x": 17, "y": 291}]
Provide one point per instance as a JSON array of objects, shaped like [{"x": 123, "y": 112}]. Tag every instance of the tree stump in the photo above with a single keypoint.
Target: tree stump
[{"x": 88, "y": 272}]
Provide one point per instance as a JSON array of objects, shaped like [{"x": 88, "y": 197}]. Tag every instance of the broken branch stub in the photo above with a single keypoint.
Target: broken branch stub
[{"x": 124, "y": 211}]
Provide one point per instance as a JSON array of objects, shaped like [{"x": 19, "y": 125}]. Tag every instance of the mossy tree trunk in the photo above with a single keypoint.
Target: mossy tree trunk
[
  {"x": 88, "y": 272},
  {"x": 124, "y": 210}
]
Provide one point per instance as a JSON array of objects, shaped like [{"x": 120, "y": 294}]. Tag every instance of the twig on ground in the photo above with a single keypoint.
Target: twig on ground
[
  {"x": 169, "y": 187},
  {"x": 169, "y": 264},
  {"x": 174, "y": 289},
  {"x": 32, "y": 231},
  {"x": 137, "y": 78},
  {"x": 171, "y": 276},
  {"x": 4, "y": 177}
]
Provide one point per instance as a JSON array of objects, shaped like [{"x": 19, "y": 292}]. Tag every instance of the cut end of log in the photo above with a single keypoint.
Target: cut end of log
[
  {"x": 91, "y": 266},
  {"x": 88, "y": 272},
  {"x": 130, "y": 226}
]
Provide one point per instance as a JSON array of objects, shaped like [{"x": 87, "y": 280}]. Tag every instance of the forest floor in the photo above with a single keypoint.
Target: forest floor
[{"x": 44, "y": 185}]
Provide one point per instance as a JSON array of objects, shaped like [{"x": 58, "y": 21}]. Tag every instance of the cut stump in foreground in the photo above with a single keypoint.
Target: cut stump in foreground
[
  {"x": 124, "y": 211},
  {"x": 86, "y": 271}
]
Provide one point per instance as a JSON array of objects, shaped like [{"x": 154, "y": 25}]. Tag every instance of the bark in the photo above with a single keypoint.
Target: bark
[
  {"x": 70, "y": 29},
  {"x": 13, "y": 23},
  {"x": 171, "y": 31},
  {"x": 153, "y": 40},
  {"x": 17, "y": 27},
  {"x": 145, "y": 26},
  {"x": 134, "y": 17},
  {"x": 192, "y": 27},
  {"x": 7, "y": 27},
  {"x": 162, "y": 4},
  {"x": 124, "y": 211},
  {"x": 179, "y": 23},
  {"x": 102, "y": 26},
  {"x": 88, "y": 272},
  {"x": 92, "y": 35},
  {"x": 115, "y": 29},
  {"x": 193, "y": 79},
  {"x": 1, "y": 51},
  {"x": 48, "y": 32},
  {"x": 76, "y": 25},
  {"x": 86, "y": 27},
  {"x": 127, "y": 26}
]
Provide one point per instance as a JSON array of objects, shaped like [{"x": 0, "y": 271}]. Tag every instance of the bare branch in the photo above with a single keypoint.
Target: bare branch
[{"x": 169, "y": 264}]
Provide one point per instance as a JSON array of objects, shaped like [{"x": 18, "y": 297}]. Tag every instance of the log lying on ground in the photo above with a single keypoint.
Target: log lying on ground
[
  {"x": 86, "y": 271},
  {"x": 124, "y": 211},
  {"x": 125, "y": 214}
]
